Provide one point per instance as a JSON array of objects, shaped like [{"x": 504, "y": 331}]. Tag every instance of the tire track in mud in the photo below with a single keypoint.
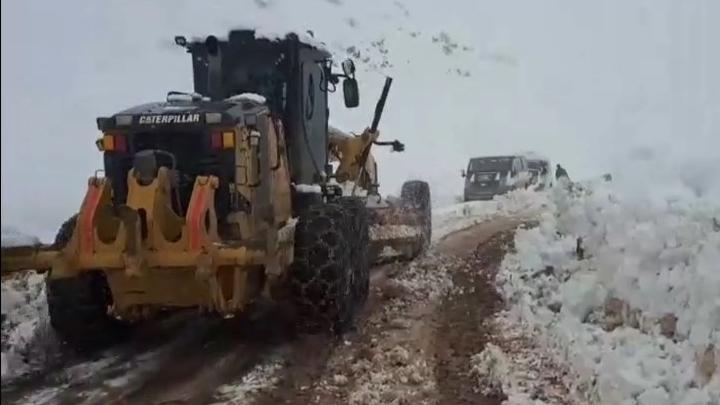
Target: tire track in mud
[
  {"x": 461, "y": 328},
  {"x": 309, "y": 359},
  {"x": 74, "y": 373},
  {"x": 183, "y": 360},
  {"x": 409, "y": 347}
]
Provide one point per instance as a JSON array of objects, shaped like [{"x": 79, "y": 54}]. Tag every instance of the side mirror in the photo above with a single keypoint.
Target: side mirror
[
  {"x": 180, "y": 41},
  {"x": 348, "y": 67},
  {"x": 351, "y": 93},
  {"x": 462, "y": 173}
]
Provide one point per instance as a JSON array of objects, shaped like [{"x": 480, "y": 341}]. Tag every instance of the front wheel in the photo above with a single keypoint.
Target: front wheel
[{"x": 78, "y": 306}]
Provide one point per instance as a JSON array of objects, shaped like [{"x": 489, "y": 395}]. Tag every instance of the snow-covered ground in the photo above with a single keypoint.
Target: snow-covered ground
[
  {"x": 521, "y": 204},
  {"x": 634, "y": 314},
  {"x": 24, "y": 313},
  {"x": 635, "y": 311},
  {"x": 26, "y": 333}
]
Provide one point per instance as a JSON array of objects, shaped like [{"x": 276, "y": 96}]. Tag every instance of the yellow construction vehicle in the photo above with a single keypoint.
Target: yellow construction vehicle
[{"x": 228, "y": 195}]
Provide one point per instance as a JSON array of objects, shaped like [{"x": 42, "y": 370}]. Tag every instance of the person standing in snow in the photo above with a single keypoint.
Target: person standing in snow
[{"x": 560, "y": 172}]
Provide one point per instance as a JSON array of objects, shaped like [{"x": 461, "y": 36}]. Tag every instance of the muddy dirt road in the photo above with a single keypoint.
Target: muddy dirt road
[{"x": 413, "y": 343}]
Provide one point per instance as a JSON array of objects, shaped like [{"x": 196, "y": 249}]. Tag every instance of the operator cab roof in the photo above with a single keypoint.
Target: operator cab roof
[{"x": 224, "y": 70}]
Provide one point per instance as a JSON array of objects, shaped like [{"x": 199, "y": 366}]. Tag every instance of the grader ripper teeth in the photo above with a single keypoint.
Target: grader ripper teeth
[{"x": 145, "y": 248}]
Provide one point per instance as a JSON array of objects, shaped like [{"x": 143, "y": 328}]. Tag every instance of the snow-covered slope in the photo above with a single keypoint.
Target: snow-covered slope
[
  {"x": 636, "y": 313},
  {"x": 582, "y": 82}
]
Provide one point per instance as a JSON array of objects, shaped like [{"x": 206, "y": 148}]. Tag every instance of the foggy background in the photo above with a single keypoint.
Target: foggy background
[{"x": 628, "y": 87}]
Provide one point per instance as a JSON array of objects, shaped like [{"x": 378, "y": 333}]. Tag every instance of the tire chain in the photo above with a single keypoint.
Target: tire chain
[{"x": 320, "y": 280}]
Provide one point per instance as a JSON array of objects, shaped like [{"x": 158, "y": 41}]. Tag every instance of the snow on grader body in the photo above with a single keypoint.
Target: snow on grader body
[{"x": 204, "y": 201}]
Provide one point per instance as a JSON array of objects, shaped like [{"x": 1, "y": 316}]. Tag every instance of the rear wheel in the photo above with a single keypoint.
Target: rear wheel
[
  {"x": 416, "y": 195},
  {"x": 78, "y": 306},
  {"x": 321, "y": 273}
]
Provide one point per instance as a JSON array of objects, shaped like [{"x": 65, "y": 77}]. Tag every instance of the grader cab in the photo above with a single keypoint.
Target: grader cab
[{"x": 228, "y": 195}]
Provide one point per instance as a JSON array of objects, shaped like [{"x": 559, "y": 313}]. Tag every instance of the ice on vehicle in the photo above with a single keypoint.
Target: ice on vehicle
[{"x": 253, "y": 97}]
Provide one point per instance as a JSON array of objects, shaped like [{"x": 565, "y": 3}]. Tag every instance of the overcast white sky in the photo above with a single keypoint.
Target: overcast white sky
[{"x": 592, "y": 84}]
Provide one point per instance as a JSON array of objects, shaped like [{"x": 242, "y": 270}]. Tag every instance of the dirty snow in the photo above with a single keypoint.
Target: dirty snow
[
  {"x": 634, "y": 309},
  {"x": 492, "y": 367},
  {"x": 515, "y": 364},
  {"x": 24, "y": 314},
  {"x": 262, "y": 377},
  {"x": 391, "y": 374},
  {"x": 26, "y": 336},
  {"x": 385, "y": 232},
  {"x": 397, "y": 367}
]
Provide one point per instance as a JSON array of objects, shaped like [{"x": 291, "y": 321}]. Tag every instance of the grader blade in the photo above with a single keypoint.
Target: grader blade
[
  {"x": 396, "y": 232},
  {"x": 17, "y": 259}
]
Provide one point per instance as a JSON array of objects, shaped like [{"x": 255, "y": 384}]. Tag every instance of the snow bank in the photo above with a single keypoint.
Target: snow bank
[
  {"x": 633, "y": 306},
  {"x": 389, "y": 232},
  {"x": 26, "y": 335},
  {"x": 516, "y": 204}
]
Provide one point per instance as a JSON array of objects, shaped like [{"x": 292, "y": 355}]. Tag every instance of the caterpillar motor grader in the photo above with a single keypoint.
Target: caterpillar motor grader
[{"x": 235, "y": 193}]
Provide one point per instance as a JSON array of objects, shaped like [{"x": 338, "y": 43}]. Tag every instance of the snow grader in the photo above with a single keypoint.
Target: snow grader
[{"x": 233, "y": 194}]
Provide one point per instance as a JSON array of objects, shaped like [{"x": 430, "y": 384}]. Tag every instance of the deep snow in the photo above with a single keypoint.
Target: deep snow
[{"x": 638, "y": 318}]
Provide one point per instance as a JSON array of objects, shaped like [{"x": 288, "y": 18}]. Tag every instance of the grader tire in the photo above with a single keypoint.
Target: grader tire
[
  {"x": 78, "y": 305},
  {"x": 320, "y": 276},
  {"x": 415, "y": 194},
  {"x": 359, "y": 252}
]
